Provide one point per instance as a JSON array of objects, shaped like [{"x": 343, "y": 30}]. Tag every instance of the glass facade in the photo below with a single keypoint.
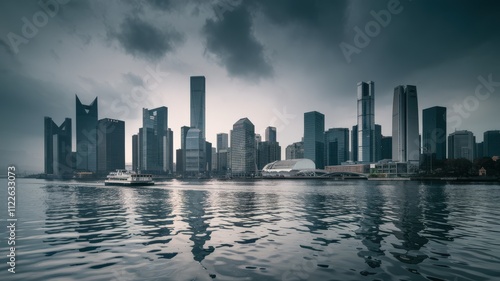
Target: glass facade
[
  {"x": 405, "y": 128},
  {"x": 434, "y": 132},
  {"x": 110, "y": 145},
  {"x": 314, "y": 140},
  {"x": 366, "y": 122},
  {"x": 86, "y": 136},
  {"x": 198, "y": 103},
  {"x": 243, "y": 160},
  {"x": 491, "y": 143},
  {"x": 462, "y": 144},
  {"x": 57, "y": 148},
  {"x": 194, "y": 152},
  {"x": 337, "y": 146}
]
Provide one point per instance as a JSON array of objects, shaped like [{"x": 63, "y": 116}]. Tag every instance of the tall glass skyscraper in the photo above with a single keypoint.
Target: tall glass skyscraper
[
  {"x": 110, "y": 145},
  {"x": 366, "y": 122},
  {"x": 462, "y": 144},
  {"x": 434, "y": 132},
  {"x": 57, "y": 147},
  {"x": 405, "y": 136},
  {"x": 354, "y": 143},
  {"x": 491, "y": 143},
  {"x": 194, "y": 150},
  {"x": 337, "y": 146},
  {"x": 155, "y": 142},
  {"x": 314, "y": 138},
  {"x": 243, "y": 147},
  {"x": 222, "y": 141},
  {"x": 198, "y": 103},
  {"x": 271, "y": 135},
  {"x": 86, "y": 136}
]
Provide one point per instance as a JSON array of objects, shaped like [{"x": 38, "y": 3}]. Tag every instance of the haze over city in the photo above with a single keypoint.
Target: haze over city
[{"x": 269, "y": 61}]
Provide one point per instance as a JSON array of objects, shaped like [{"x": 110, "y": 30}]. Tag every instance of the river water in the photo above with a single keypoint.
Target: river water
[{"x": 253, "y": 230}]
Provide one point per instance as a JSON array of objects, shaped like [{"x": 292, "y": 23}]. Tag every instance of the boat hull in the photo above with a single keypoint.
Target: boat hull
[{"x": 128, "y": 183}]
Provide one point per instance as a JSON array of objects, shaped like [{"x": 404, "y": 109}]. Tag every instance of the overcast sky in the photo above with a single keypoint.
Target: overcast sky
[{"x": 268, "y": 60}]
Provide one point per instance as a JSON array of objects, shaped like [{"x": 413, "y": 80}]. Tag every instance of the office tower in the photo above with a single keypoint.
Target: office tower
[
  {"x": 195, "y": 163},
  {"x": 337, "y": 146},
  {"x": 386, "y": 148},
  {"x": 378, "y": 143},
  {"x": 267, "y": 152},
  {"x": 208, "y": 156},
  {"x": 155, "y": 140},
  {"x": 314, "y": 140},
  {"x": 491, "y": 143},
  {"x": 135, "y": 153},
  {"x": 480, "y": 150},
  {"x": 462, "y": 144},
  {"x": 170, "y": 149},
  {"x": 198, "y": 103},
  {"x": 110, "y": 145},
  {"x": 57, "y": 148},
  {"x": 405, "y": 136},
  {"x": 434, "y": 132},
  {"x": 295, "y": 151},
  {"x": 243, "y": 147},
  {"x": 86, "y": 136},
  {"x": 354, "y": 143},
  {"x": 222, "y": 141},
  {"x": 271, "y": 134},
  {"x": 214, "y": 159},
  {"x": 366, "y": 122},
  {"x": 179, "y": 162}
]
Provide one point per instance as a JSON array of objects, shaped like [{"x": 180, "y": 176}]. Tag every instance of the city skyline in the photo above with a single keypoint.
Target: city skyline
[{"x": 95, "y": 49}]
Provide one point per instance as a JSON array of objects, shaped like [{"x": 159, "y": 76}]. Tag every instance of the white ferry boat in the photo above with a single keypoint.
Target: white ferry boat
[{"x": 128, "y": 178}]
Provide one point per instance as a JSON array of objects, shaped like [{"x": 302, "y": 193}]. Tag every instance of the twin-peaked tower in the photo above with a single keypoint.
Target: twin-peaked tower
[{"x": 86, "y": 136}]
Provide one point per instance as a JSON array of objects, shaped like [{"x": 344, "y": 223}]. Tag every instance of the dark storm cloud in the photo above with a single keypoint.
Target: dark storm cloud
[
  {"x": 231, "y": 39},
  {"x": 142, "y": 39}
]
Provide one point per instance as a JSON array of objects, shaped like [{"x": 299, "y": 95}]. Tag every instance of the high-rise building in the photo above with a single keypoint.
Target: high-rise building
[
  {"x": 354, "y": 143},
  {"x": 267, "y": 152},
  {"x": 480, "y": 150},
  {"x": 198, "y": 103},
  {"x": 271, "y": 134},
  {"x": 337, "y": 146},
  {"x": 462, "y": 144},
  {"x": 378, "y": 143},
  {"x": 314, "y": 139},
  {"x": 405, "y": 135},
  {"x": 295, "y": 151},
  {"x": 243, "y": 147},
  {"x": 110, "y": 145},
  {"x": 386, "y": 148},
  {"x": 57, "y": 148},
  {"x": 222, "y": 141},
  {"x": 135, "y": 153},
  {"x": 366, "y": 122},
  {"x": 86, "y": 136},
  {"x": 155, "y": 143},
  {"x": 434, "y": 132},
  {"x": 491, "y": 143},
  {"x": 214, "y": 159},
  {"x": 207, "y": 154},
  {"x": 195, "y": 146}
]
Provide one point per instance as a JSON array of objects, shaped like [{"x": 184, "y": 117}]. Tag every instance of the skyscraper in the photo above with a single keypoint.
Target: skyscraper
[
  {"x": 195, "y": 146},
  {"x": 462, "y": 144},
  {"x": 110, "y": 145},
  {"x": 271, "y": 134},
  {"x": 491, "y": 143},
  {"x": 386, "y": 147},
  {"x": 222, "y": 141},
  {"x": 86, "y": 136},
  {"x": 377, "y": 147},
  {"x": 354, "y": 143},
  {"x": 405, "y": 136},
  {"x": 314, "y": 140},
  {"x": 295, "y": 151},
  {"x": 57, "y": 148},
  {"x": 155, "y": 142},
  {"x": 337, "y": 146},
  {"x": 434, "y": 132},
  {"x": 366, "y": 122},
  {"x": 198, "y": 103},
  {"x": 135, "y": 153},
  {"x": 243, "y": 147}
]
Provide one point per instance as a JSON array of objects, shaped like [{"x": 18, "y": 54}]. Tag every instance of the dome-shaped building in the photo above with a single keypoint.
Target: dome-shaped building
[{"x": 288, "y": 168}]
